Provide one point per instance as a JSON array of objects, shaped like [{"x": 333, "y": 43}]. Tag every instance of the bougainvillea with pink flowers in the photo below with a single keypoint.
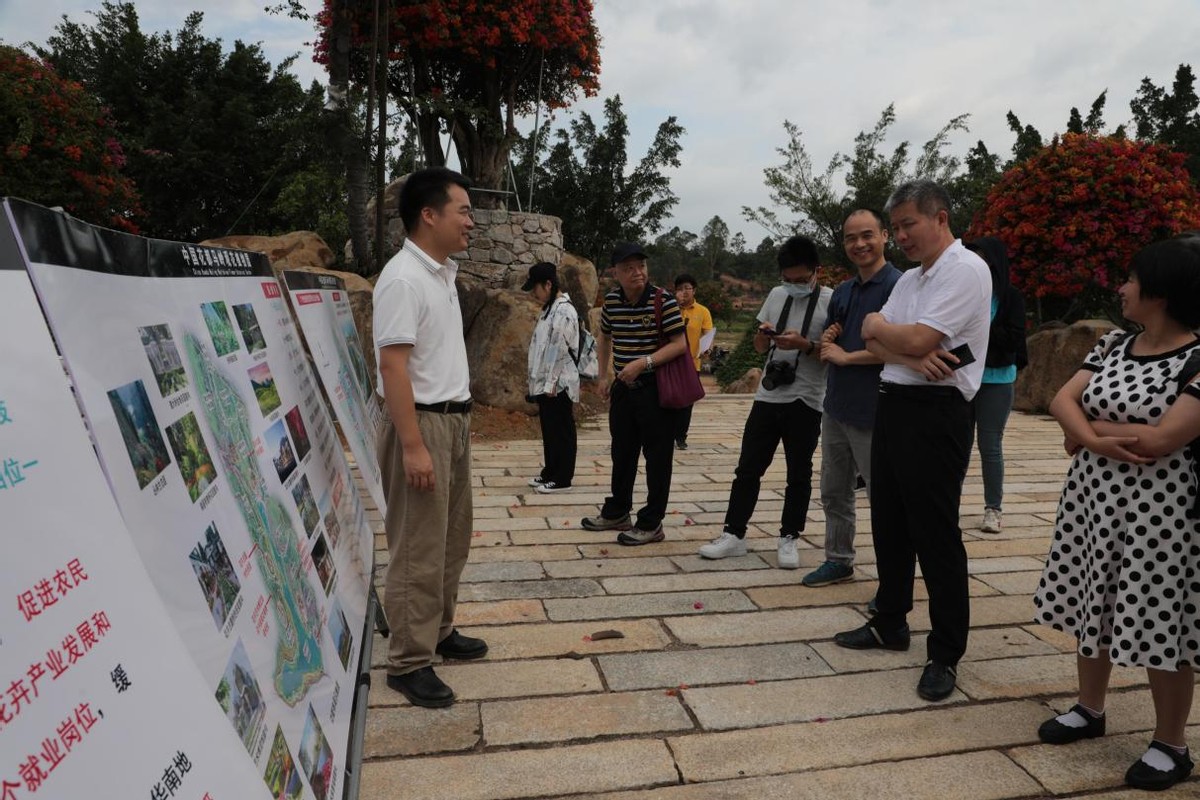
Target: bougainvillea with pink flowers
[
  {"x": 1074, "y": 214},
  {"x": 58, "y": 146}
]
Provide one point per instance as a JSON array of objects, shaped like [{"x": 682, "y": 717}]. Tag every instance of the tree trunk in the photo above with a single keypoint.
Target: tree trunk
[{"x": 345, "y": 138}]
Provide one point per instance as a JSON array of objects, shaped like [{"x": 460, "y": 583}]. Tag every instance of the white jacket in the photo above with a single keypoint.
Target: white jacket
[{"x": 555, "y": 337}]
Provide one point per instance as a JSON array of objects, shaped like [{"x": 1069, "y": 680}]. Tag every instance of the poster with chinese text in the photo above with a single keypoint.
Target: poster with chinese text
[
  {"x": 228, "y": 473},
  {"x": 323, "y": 310},
  {"x": 100, "y": 697}
]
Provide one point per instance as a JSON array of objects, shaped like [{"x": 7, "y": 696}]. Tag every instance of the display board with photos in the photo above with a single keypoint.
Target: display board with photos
[
  {"x": 91, "y": 705},
  {"x": 228, "y": 472},
  {"x": 322, "y": 308}
]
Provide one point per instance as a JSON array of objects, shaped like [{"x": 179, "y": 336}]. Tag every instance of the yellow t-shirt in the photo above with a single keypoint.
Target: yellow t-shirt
[{"x": 699, "y": 322}]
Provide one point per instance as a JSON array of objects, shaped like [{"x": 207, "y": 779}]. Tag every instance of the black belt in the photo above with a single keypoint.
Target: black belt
[
  {"x": 919, "y": 392},
  {"x": 448, "y": 407}
]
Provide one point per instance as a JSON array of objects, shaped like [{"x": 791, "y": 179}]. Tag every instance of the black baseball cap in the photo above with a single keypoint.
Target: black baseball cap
[
  {"x": 539, "y": 273},
  {"x": 625, "y": 250}
]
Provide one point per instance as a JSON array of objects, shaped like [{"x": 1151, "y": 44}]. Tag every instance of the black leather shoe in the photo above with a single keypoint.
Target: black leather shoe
[
  {"x": 1143, "y": 776},
  {"x": 463, "y": 648},
  {"x": 868, "y": 637},
  {"x": 423, "y": 688},
  {"x": 1054, "y": 732},
  {"x": 937, "y": 681}
]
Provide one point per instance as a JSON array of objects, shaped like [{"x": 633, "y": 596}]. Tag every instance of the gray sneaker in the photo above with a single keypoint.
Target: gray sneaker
[
  {"x": 789, "y": 558},
  {"x": 603, "y": 523},
  {"x": 827, "y": 573},
  {"x": 636, "y": 536}
]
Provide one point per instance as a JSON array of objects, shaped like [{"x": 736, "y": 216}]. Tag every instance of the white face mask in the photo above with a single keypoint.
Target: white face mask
[{"x": 797, "y": 290}]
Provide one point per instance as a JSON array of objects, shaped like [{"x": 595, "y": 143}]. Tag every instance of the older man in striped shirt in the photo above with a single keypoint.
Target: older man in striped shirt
[{"x": 630, "y": 336}]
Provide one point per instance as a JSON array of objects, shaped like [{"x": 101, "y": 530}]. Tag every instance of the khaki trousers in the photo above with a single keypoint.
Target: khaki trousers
[{"x": 428, "y": 536}]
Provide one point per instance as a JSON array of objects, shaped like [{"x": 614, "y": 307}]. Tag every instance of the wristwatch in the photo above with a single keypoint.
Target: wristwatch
[{"x": 649, "y": 362}]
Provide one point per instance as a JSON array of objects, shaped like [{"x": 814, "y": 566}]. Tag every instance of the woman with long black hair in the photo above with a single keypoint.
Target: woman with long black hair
[
  {"x": 1006, "y": 354},
  {"x": 554, "y": 377}
]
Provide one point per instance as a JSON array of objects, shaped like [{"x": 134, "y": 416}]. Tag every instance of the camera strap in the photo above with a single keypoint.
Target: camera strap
[{"x": 810, "y": 309}]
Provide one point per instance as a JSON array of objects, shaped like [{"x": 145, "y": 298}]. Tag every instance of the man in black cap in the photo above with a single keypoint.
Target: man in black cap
[{"x": 631, "y": 334}]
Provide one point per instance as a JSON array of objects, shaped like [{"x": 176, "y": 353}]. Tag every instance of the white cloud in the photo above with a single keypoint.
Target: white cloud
[{"x": 733, "y": 70}]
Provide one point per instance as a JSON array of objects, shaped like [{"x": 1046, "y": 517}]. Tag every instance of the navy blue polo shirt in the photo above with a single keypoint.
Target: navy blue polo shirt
[{"x": 851, "y": 391}]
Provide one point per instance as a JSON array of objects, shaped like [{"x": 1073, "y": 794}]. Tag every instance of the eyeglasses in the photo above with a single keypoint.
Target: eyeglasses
[{"x": 806, "y": 279}]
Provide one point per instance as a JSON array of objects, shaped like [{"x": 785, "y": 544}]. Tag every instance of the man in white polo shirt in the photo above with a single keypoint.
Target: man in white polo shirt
[
  {"x": 932, "y": 335},
  {"x": 424, "y": 445}
]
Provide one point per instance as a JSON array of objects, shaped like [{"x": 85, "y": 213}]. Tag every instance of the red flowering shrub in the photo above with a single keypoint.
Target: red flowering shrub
[
  {"x": 1074, "y": 214},
  {"x": 472, "y": 66},
  {"x": 59, "y": 147}
]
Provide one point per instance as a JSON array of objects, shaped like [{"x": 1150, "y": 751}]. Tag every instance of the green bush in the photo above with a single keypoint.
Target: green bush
[{"x": 741, "y": 359}]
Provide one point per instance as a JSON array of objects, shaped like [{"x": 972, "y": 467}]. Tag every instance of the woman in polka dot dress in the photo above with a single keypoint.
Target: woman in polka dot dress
[{"x": 1123, "y": 574}]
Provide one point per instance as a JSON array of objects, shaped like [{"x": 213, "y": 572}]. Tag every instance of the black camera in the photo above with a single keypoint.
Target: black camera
[{"x": 778, "y": 373}]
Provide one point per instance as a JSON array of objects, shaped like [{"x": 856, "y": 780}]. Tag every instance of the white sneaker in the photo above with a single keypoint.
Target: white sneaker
[
  {"x": 789, "y": 558},
  {"x": 724, "y": 546},
  {"x": 991, "y": 520},
  {"x": 550, "y": 487},
  {"x": 536, "y": 481}
]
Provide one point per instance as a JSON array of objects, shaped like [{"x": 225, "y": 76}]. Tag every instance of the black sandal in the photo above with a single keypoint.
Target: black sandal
[
  {"x": 1054, "y": 732},
  {"x": 1143, "y": 776}
]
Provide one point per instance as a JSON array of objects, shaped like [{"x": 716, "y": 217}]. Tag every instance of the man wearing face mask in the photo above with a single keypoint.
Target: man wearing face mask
[{"x": 787, "y": 406}]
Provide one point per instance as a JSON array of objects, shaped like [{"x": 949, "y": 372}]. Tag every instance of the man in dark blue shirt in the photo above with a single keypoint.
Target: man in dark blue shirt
[{"x": 851, "y": 389}]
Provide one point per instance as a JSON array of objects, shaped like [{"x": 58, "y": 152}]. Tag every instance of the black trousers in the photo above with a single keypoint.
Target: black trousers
[
  {"x": 639, "y": 427},
  {"x": 683, "y": 421},
  {"x": 919, "y": 452},
  {"x": 798, "y": 427},
  {"x": 557, "y": 417}
]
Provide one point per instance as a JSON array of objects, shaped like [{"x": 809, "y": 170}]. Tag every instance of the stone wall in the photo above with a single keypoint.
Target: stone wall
[{"x": 500, "y": 249}]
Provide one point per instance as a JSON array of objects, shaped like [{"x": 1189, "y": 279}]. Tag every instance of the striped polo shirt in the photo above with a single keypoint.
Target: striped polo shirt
[{"x": 631, "y": 325}]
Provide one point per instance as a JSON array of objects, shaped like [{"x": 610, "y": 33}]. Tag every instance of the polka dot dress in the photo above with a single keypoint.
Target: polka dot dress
[{"x": 1122, "y": 570}]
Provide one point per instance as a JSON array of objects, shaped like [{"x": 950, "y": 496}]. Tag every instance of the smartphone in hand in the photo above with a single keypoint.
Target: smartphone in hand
[{"x": 963, "y": 354}]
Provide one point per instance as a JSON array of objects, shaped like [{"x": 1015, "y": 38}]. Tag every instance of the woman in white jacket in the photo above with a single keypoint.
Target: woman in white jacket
[{"x": 554, "y": 377}]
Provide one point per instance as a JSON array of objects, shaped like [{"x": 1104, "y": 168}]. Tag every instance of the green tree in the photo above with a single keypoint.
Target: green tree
[
  {"x": 584, "y": 180},
  {"x": 714, "y": 247},
  {"x": 671, "y": 253},
  {"x": 818, "y": 201},
  {"x": 1171, "y": 118},
  {"x": 213, "y": 137},
  {"x": 60, "y": 148}
]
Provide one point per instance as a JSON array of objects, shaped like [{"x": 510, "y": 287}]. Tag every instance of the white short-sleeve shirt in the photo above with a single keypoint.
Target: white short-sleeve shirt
[
  {"x": 415, "y": 303},
  {"x": 954, "y": 296}
]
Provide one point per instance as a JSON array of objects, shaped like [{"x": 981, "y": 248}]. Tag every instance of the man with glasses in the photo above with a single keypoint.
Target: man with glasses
[
  {"x": 787, "y": 406},
  {"x": 630, "y": 335}
]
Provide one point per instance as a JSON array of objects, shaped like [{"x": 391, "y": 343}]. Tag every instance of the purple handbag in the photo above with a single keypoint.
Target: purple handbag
[{"x": 678, "y": 382}]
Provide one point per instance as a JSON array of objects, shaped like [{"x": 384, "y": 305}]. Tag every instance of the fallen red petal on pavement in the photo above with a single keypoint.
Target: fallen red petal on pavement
[
  {"x": 697, "y": 606},
  {"x": 587, "y": 638},
  {"x": 603, "y": 551},
  {"x": 670, "y": 693},
  {"x": 752, "y": 682},
  {"x": 689, "y": 521}
]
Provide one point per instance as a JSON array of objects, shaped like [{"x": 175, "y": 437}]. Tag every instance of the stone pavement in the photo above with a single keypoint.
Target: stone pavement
[{"x": 725, "y": 682}]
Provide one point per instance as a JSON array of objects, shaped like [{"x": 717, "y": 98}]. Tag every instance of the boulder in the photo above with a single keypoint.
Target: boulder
[
  {"x": 498, "y": 324},
  {"x": 289, "y": 251},
  {"x": 305, "y": 251},
  {"x": 747, "y": 384},
  {"x": 577, "y": 277},
  {"x": 1054, "y": 356}
]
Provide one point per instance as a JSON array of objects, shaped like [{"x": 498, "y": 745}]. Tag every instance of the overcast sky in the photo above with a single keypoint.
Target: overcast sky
[{"x": 733, "y": 70}]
